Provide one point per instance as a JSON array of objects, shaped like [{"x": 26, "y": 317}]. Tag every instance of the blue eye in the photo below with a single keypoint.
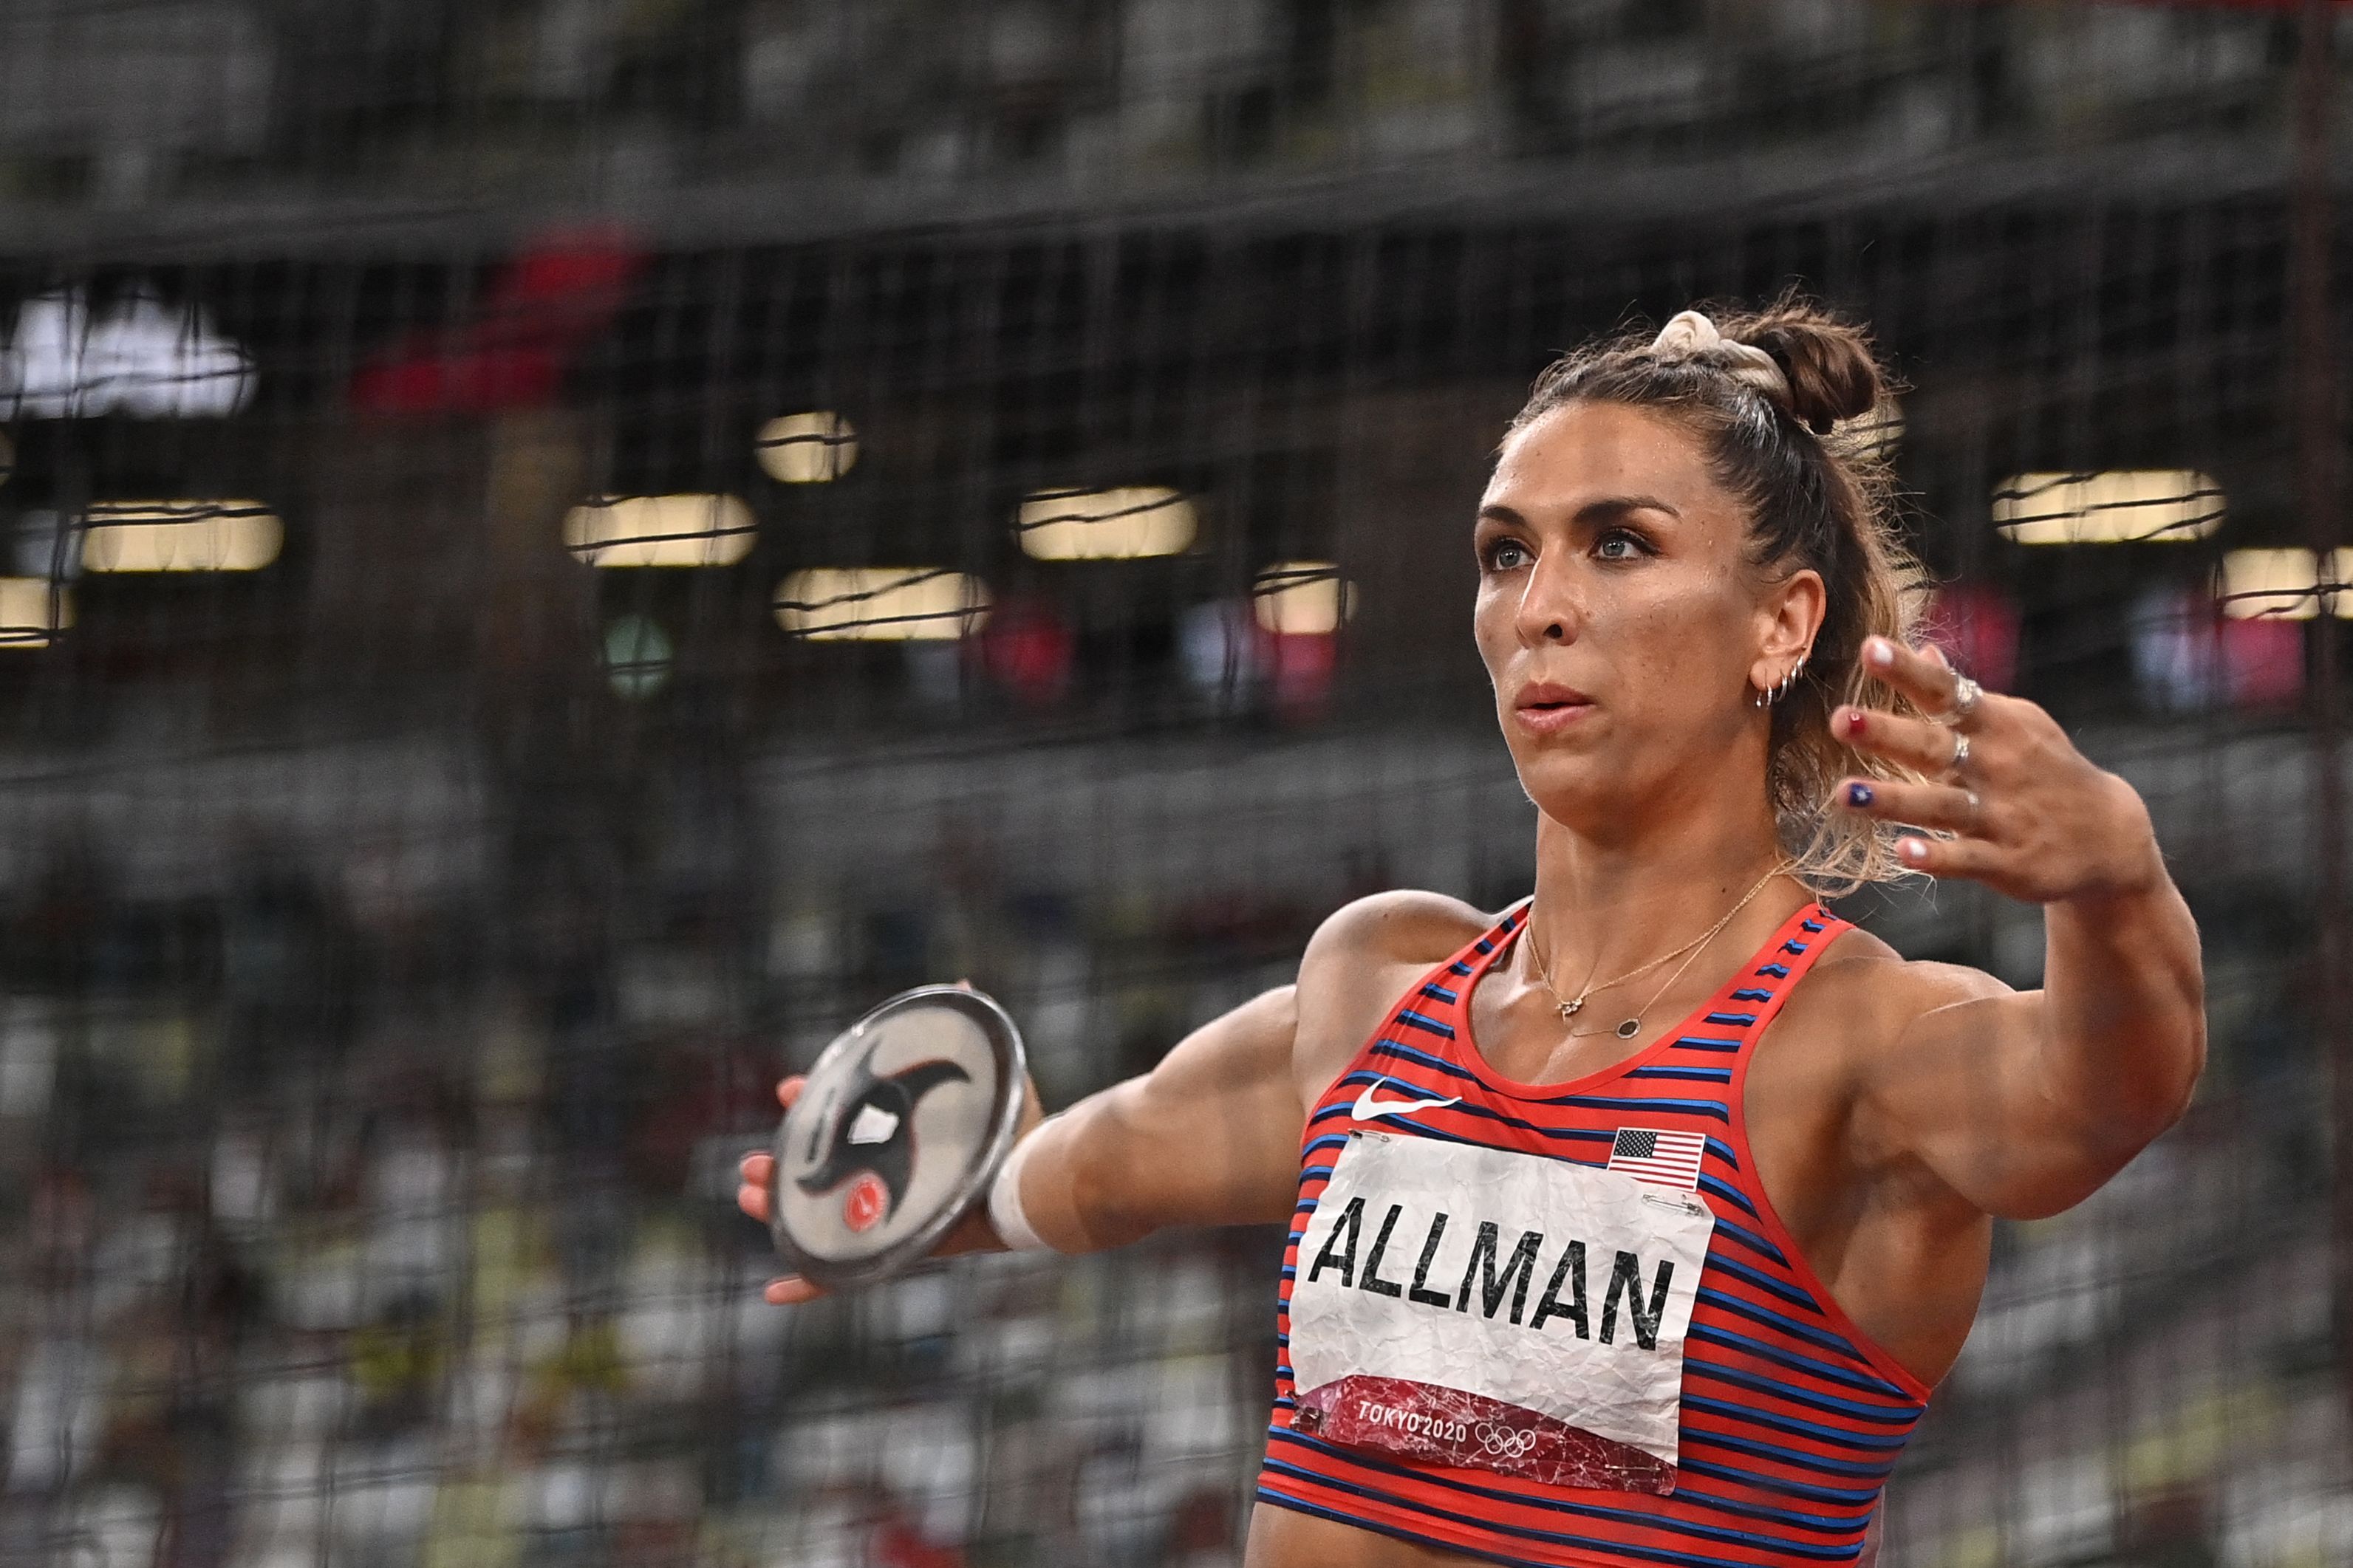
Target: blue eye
[
  {"x": 1506, "y": 555},
  {"x": 1618, "y": 547}
]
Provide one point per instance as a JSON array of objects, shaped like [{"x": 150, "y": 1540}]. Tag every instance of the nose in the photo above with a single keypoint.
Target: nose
[{"x": 1549, "y": 611}]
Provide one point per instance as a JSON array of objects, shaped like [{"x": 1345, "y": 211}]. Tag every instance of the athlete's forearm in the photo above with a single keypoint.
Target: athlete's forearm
[
  {"x": 1209, "y": 1137},
  {"x": 1068, "y": 1178},
  {"x": 2124, "y": 1035}
]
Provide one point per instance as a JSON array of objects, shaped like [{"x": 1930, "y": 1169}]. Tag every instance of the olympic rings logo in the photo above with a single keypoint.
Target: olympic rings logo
[{"x": 1505, "y": 1442}]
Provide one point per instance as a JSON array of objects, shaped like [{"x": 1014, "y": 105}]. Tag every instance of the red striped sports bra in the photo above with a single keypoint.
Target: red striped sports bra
[{"x": 1503, "y": 1357}]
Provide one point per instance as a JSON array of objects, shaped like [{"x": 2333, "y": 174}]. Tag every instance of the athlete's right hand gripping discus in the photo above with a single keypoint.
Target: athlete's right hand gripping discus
[{"x": 901, "y": 1127}]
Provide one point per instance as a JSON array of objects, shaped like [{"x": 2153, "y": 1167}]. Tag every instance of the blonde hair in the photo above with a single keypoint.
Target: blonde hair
[{"x": 1819, "y": 495}]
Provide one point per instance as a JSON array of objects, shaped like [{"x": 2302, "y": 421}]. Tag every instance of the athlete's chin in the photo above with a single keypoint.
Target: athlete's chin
[{"x": 1567, "y": 785}]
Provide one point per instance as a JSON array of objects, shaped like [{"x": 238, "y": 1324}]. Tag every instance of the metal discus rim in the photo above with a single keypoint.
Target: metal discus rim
[{"x": 1004, "y": 1039}]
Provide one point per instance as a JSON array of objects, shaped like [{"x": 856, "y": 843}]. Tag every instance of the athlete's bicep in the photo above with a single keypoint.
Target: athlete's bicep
[
  {"x": 1963, "y": 1089},
  {"x": 1210, "y": 1136}
]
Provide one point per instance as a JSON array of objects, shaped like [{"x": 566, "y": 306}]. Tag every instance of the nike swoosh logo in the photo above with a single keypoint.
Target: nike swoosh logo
[{"x": 1367, "y": 1107}]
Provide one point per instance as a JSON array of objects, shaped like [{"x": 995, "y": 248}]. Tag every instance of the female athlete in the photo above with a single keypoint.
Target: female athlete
[{"x": 1632, "y": 1226}]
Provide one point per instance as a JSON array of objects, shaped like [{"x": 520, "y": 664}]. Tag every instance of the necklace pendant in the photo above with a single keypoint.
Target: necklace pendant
[
  {"x": 1569, "y": 1009},
  {"x": 1630, "y": 1028}
]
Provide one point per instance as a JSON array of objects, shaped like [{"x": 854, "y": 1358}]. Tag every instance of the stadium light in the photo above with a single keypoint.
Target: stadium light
[
  {"x": 811, "y": 448},
  {"x": 1302, "y": 598},
  {"x": 1129, "y": 523},
  {"x": 180, "y": 536},
  {"x": 661, "y": 531},
  {"x": 882, "y": 604},
  {"x": 32, "y": 611},
  {"x": 2122, "y": 506},
  {"x": 2283, "y": 584},
  {"x": 138, "y": 357}
]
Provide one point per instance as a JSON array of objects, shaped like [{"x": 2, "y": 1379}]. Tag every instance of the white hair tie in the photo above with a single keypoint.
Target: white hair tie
[{"x": 1690, "y": 335}]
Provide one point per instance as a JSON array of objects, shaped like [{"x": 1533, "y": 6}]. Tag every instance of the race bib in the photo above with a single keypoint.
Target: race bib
[{"x": 1468, "y": 1306}]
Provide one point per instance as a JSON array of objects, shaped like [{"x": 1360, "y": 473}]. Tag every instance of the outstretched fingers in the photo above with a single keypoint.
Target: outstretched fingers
[
  {"x": 2001, "y": 795},
  {"x": 1949, "y": 857},
  {"x": 1919, "y": 744},
  {"x": 1930, "y": 682},
  {"x": 1953, "y": 807},
  {"x": 1963, "y": 756}
]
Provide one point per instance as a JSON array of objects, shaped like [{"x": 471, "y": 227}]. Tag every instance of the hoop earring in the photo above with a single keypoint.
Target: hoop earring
[{"x": 1782, "y": 687}]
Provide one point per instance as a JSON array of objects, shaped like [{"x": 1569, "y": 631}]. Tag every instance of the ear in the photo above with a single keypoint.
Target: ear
[{"x": 1788, "y": 616}]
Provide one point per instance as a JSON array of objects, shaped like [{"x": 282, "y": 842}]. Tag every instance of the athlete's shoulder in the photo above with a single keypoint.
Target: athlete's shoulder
[
  {"x": 1360, "y": 962},
  {"x": 1878, "y": 993},
  {"x": 1402, "y": 926}
]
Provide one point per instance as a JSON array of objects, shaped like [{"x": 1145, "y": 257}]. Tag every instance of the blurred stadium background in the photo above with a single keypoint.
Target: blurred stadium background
[{"x": 558, "y": 549}]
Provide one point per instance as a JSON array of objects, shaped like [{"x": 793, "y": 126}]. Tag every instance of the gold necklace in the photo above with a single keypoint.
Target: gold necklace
[{"x": 1570, "y": 1007}]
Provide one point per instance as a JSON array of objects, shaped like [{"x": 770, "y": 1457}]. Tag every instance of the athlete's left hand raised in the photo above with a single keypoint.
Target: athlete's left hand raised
[{"x": 2029, "y": 814}]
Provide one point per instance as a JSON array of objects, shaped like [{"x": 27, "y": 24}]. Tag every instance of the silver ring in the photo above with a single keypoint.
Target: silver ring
[
  {"x": 1960, "y": 755},
  {"x": 1967, "y": 693},
  {"x": 1977, "y": 807}
]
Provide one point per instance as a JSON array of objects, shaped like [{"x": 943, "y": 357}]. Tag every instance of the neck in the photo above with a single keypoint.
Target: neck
[{"x": 1605, "y": 905}]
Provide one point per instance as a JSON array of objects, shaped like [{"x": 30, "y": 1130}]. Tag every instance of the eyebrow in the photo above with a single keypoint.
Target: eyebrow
[{"x": 1592, "y": 511}]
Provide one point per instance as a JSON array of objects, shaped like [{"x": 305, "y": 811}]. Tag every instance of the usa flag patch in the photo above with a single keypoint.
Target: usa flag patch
[{"x": 1656, "y": 1155}]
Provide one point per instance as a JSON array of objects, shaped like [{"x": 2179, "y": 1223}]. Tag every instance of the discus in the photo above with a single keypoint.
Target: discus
[{"x": 901, "y": 1127}]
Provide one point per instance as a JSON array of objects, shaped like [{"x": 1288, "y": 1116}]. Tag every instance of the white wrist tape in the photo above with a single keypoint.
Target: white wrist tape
[{"x": 1012, "y": 1226}]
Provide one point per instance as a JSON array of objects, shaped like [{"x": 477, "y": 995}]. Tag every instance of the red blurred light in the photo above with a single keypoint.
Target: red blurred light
[
  {"x": 2262, "y": 663},
  {"x": 1300, "y": 669},
  {"x": 541, "y": 308},
  {"x": 1028, "y": 649}
]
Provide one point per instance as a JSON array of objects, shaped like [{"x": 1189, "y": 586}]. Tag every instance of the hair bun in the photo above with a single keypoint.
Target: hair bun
[{"x": 1831, "y": 372}]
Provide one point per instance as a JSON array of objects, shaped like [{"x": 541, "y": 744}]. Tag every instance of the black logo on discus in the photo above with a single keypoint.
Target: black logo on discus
[{"x": 875, "y": 1134}]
